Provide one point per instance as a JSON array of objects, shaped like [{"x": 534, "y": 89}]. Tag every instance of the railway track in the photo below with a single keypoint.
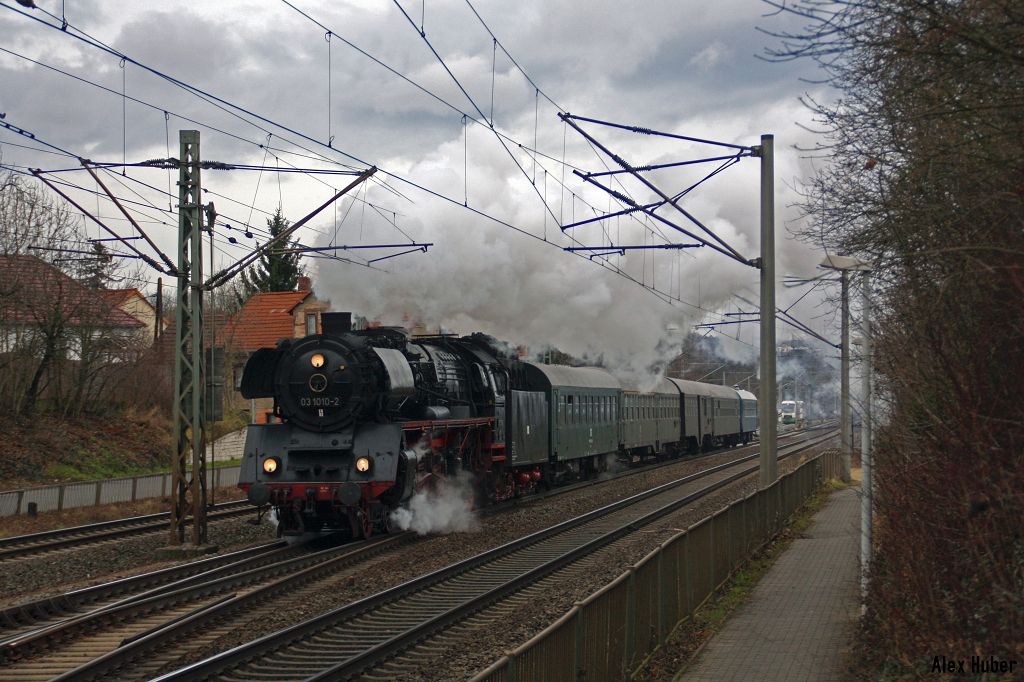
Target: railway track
[
  {"x": 17, "y": 621},
  {"x": 368, "y": 631},
  {"x": 63, "y": 538},
  {"x": 134, "y": 608},
  {"x": 52, "y": 540}
]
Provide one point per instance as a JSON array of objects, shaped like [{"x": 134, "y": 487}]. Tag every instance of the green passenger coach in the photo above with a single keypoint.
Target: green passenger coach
[
  {"x": 584, "y": 410},
  {"x": 651, "y": 421}
]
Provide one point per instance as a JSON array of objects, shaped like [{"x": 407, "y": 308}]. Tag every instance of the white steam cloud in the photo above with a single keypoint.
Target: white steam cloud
[
  {"x": 480, "y": 275},
  {"x": 445, "y": 509}
]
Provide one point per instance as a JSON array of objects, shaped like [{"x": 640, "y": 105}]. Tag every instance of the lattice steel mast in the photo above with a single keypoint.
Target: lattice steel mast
[{"x": 189, "y": 494}]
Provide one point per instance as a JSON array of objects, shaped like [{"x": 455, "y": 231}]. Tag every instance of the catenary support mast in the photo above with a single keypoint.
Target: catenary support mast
[
  {"x": 768, "y": 418},
  {"x": 189, "y": 494}
]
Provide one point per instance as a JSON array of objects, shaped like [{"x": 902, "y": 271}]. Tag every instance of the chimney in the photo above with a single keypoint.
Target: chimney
[{"x": 304, "y": 284}]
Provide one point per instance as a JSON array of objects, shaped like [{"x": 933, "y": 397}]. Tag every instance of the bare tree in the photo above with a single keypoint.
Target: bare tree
[
  {"x": 925, "y": 177},
  {"x": 59, "y": 334}
]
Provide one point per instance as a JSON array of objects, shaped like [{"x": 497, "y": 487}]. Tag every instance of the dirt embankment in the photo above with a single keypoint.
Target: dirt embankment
[{"x": 47, "y": 450}]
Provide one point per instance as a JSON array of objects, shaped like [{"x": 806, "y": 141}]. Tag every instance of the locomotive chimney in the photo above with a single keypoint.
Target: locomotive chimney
[
  {"x": 336, "y": 323},
  {"x": 304, "y": 284}
]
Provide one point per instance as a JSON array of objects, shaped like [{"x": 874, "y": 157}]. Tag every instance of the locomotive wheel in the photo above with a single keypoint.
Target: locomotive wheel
[
  {"x": 366, "y": 520},
  {"x": 387, "y": 523}
]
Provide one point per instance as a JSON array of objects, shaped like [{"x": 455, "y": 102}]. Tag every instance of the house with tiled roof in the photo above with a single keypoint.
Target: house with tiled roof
[
  {"x": 135, "y": 304},
  {"x": 268, "y": 317},
  {"x": 37, "y": 299}
]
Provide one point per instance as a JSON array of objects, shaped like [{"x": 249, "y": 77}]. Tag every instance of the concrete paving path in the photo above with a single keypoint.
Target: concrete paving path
[{"x": 801, "y": 614}]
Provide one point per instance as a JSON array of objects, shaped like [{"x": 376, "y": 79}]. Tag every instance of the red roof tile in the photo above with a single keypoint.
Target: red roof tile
[
  {"x": 266, "y": 318},
  {"x": 119, "y": 296},
  {"x": 33, "y": 287}
]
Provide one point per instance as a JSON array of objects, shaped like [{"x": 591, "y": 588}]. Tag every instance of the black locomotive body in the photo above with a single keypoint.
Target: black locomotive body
[{"x": 364, "y": 419}]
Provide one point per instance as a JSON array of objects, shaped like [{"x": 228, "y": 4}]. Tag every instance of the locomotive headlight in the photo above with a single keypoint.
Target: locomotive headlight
[
  {"x": 317, "y": 360},
  {"x": 271, "y": 465},
  {"x": 363, "y": 465}
]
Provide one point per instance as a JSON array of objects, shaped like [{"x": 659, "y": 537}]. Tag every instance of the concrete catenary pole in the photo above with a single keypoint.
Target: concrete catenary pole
[
  {"x": 768, "y": 458},
  {"x": 845, "y": 425},
  {"x": 865, "y": 437}
]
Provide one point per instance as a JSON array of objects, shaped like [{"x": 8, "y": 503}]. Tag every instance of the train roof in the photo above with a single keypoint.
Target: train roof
[
  {"x": 664, "y": 386},
  {"x": 699, "y": 388},
  {"x": 746, "y": 395},
  {"x": 573, "y": 377}
]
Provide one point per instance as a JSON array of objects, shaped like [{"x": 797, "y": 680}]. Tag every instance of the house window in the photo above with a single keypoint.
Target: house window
[{"x": 310, "y": 323}]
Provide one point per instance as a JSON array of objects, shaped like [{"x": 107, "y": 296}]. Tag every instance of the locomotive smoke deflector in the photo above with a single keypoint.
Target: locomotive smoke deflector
[
  {"x": 258, "y": 375},
  {"x": 400, "y": 379}
]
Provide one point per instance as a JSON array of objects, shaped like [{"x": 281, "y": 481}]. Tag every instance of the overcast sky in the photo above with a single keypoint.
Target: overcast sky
[{"x": 683, "y": 67}]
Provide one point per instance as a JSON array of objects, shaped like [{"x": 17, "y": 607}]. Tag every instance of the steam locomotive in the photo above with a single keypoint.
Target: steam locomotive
[{"x": 365, "y": 419}]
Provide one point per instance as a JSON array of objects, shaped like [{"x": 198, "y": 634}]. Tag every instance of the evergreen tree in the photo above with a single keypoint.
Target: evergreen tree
[
  {"x": 97, "y": 270},
  {"x": 276, "y": 270}
]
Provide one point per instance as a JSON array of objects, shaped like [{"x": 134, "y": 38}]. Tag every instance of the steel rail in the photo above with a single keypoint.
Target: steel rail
[
  {"x": 216, "y": 581},
  {"x": 34, "y": 543},
  {"x": 49, "y": 608},
  {"x": 384, "y": 650},
  {"x": 218, "y": 575},
  {"x": 277, "y": 642}
]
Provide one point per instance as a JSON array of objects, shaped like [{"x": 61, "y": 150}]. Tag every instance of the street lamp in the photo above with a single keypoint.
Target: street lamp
[{"x": 846, "y": 264}]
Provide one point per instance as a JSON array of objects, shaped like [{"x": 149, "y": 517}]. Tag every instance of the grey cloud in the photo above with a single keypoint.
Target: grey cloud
[{"x": 622, "y": 61}]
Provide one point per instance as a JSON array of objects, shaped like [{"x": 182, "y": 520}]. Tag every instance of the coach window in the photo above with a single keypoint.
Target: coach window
[{"x": 561, "y": 409}]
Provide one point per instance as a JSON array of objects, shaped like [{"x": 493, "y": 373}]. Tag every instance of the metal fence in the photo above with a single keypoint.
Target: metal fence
[
  {"x": 611, "y": 634},
  {"x": 105, "y": 491}
]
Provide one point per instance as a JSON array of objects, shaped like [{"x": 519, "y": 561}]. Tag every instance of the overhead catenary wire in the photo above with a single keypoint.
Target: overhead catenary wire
[{"x": 223, "y": 103}]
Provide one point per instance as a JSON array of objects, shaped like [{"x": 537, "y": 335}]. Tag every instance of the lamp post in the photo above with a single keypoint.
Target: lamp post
[{"x": 846, "y": 264}]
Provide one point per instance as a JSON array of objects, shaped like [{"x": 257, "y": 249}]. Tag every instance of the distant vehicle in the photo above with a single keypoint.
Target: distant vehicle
[{"x": 792, "y": 411}]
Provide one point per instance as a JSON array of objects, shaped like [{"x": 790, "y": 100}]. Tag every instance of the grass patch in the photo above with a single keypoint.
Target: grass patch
[{"x": 683, "y": 645}]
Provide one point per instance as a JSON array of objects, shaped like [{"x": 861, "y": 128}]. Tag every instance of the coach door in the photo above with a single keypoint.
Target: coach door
[{"x": 707, "y": 418}]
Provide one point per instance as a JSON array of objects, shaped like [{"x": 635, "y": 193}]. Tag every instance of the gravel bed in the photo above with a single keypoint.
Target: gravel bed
[
  {"x": 435, "y": 552},
  {"x": 559, "y": 592},
  {"x": 34, "y": 577}
]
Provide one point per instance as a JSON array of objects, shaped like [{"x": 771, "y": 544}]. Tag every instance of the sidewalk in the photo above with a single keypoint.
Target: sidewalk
[{"x": 801, "y": 614}]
